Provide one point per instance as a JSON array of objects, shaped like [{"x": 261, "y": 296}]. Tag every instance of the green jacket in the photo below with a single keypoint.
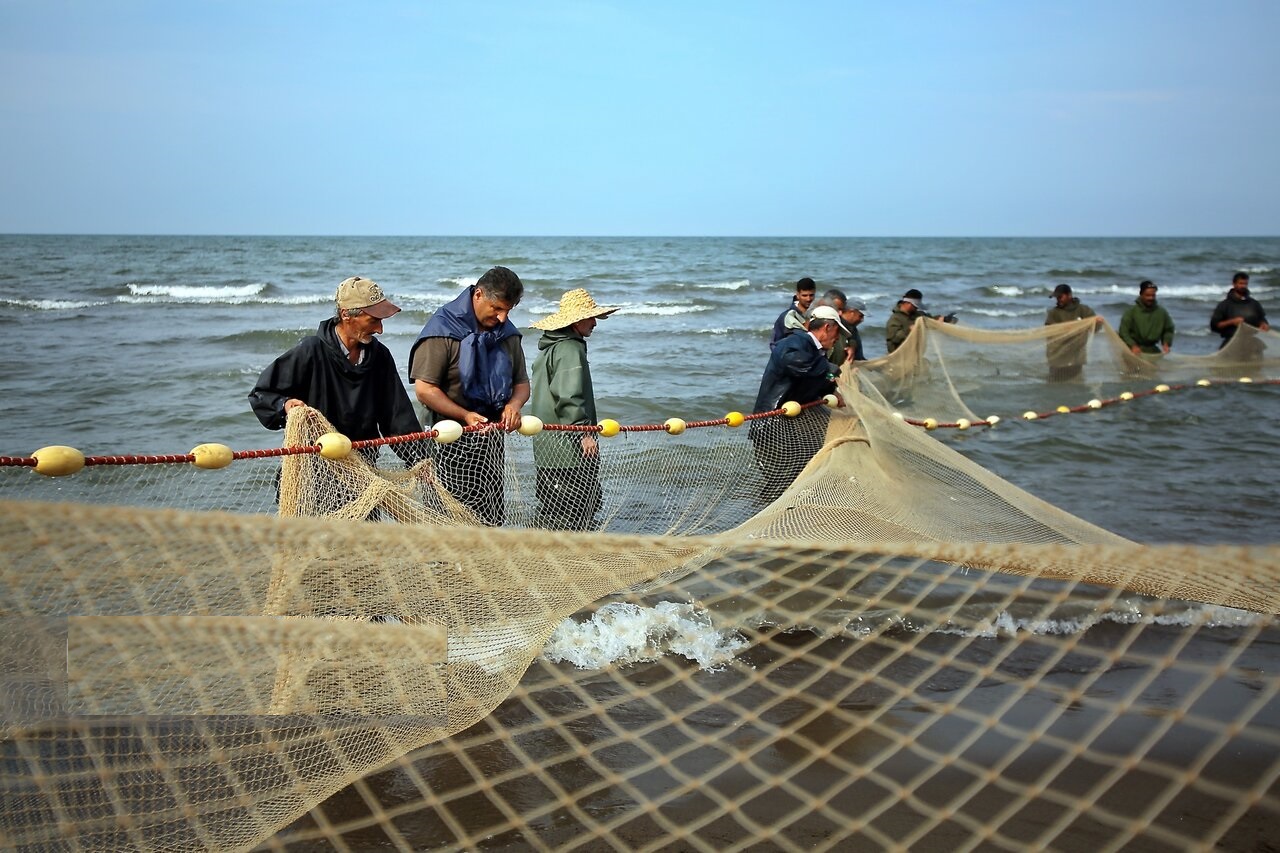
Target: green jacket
[
  {"x": 1146, "y": 327},
  {"x": 1075, "y": 310},
  {"x": 562, "y": 394},
  {"x": 898, "y": 327}
]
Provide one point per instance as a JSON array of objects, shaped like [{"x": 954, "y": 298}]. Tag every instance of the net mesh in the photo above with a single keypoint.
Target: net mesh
[{"x": 900, "y": 650}]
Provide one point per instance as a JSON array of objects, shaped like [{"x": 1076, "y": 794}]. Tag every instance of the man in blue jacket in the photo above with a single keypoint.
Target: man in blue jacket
[
  {"x": 468, "y": 366},
  {"x": 798, "y": 370}
]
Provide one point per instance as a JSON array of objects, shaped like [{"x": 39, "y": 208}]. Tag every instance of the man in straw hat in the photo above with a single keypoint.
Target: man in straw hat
[
  {"x": 345, "y": 373},
  {"x": 468, "y": 366},
  {"x": 568, "y": 463}
]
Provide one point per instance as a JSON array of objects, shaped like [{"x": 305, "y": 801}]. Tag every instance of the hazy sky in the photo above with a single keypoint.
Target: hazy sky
[{"x": 645, "y": 117}]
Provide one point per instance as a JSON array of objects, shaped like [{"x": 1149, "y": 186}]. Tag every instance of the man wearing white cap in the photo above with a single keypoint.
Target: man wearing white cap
[
  {"x": 345, "y": 373},
  {"x": 848, "y": 313},
  {"x": 799, "y": 371},
  {"x": 568, "y": 463}
]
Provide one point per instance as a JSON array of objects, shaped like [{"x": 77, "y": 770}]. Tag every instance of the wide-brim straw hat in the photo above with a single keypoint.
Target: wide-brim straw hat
[{"x": 575, "y": 305}]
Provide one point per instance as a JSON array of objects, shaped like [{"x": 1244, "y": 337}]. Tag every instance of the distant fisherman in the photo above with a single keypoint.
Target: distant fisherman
[
  {"x": 1146, "y": 326},
  {"x": 793, "y": 318},
  {"x": 1237, "y": 309},
  {"x": 1067, "y": 356},
  {"x": 901, "y": 321},
  {"x": 850, "y": 312}
]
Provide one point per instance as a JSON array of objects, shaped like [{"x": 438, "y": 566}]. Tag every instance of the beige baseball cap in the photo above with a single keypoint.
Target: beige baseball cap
[{"x": 361, "y": 293}]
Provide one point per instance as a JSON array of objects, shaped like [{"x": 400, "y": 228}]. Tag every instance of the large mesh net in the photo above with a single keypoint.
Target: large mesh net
[{"x": 901, "y": 650}]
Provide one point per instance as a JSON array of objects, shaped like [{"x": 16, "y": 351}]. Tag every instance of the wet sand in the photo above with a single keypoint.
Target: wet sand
[{"x": 1047, "y": 742}]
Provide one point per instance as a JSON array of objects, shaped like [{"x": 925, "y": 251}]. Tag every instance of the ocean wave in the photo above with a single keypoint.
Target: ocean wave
[
  {"x": 727, "y": 285},
  {"x": 1197, "y": 616},
  {"x": 50, "y": 304},
  {"x": 1083, "y": 272},
  {"x": 1206, "y": 292},
  {"x": 665, "y": 310},
  {"x": 1256, "y": 270},
  {"x": 459, "y": 282},
  {"x": 1005, "y": 312},
  {"x": 1009, "y": 290},
  {"x": 188, "y": 293},
  {"x": 623, "y": 633}
]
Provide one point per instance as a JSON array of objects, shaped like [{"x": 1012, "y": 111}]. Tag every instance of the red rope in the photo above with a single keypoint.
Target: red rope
[{"x": 182, "y": 458}]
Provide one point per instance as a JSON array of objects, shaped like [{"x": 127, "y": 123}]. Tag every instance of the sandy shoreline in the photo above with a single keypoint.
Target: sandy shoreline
[{"x": 1049, "y": 749}]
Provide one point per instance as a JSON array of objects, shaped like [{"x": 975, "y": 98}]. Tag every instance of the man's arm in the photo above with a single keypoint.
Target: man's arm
[
  {"x": 433, "y": 397},
  {"x": 278, "y": 388}
]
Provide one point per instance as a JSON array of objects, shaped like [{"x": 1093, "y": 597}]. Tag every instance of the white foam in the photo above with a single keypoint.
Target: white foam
[
  {"x": 623, "y": 633},
  {"x": 196, "y": 294},
  {"x": 727, "y": 285},
  {"x": 1196, "y": 616},
  {"x": 667, "y": 310},
  {"x": 50, "y": 304},
  {"x": 1183, "y": 291},
  {"x": 460, "y": 282},
  {"x": 1005, "y": 312},
  {"x": 1009, "y": 290}
]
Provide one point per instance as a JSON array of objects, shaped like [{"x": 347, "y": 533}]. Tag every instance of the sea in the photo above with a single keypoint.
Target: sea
[{"x": 150, "y": 345}]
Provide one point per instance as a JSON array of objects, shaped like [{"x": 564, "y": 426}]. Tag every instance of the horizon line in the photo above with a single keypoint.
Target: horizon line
[{"x": 655, "y": 236}]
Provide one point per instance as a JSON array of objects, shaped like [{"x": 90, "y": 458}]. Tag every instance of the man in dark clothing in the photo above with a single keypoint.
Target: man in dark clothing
[
  {"x": 798, "y": 371},
  {"x": 1067, "y": 355},
  {"x": 792, "y": 319},
  {"x": 1237, "y": 309},
  {"x": 852, "y": 315},
  {"x": 468, "y": 366},
  {"x": 345, "y": 373}
]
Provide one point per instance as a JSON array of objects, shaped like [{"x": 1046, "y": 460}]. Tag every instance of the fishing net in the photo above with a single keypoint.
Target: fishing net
[{"x": 900, "y": 649}]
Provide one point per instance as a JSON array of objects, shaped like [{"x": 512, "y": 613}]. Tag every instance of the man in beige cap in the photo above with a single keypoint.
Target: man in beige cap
[
  {"x": 568, "y": 463},
  {"x": 345, "y": 373}
]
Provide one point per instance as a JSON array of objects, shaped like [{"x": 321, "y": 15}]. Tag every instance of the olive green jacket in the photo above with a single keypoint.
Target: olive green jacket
[
  {"x": 1146, "y": 327},
  {"x": 562, "y": 394}
]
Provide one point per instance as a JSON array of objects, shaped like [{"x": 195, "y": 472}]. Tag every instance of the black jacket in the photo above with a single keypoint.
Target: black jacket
[
  {"x": 1230, "y": 308},
  {"x": 362, "y": 401}
]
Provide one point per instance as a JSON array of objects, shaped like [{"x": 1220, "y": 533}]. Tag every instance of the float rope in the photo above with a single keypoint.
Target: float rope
[
  {"x": 1092, "y": 405},
  {"x": 60, "y": 460}
]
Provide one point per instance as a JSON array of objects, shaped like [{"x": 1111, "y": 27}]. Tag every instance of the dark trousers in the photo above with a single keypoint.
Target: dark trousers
[
  {"x": 472, "y": 469},
  {"x": 570, "y": 497},
  {"x": 783, "y": 446}
]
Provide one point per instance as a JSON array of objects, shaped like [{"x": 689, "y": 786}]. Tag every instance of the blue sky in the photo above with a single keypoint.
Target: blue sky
[{"x": 646, "y": 118}]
